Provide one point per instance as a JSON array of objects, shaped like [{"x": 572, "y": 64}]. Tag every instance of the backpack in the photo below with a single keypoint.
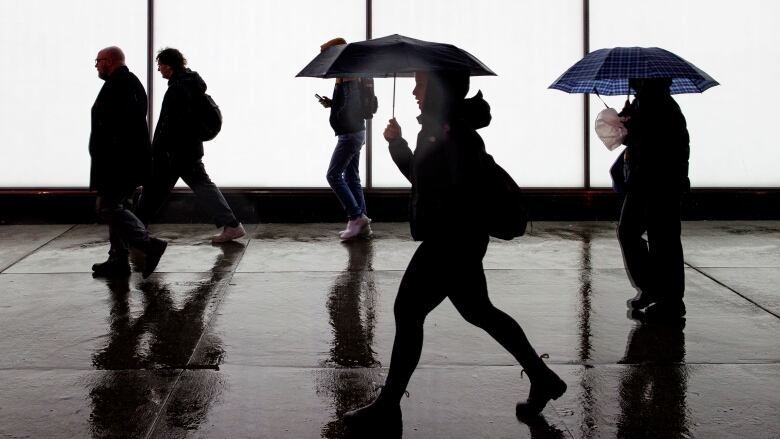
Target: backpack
[
  {"x": 508, "y": 218},
  {"x": 209, "y": 117},
  {"x": 368, "y": 100}
]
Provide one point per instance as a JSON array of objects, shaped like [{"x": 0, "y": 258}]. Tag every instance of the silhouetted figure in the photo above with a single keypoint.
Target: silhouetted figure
[
  {"x": 121, "y": 160},
  {"x": 448, "y": 215},
  {"x": 178, "y": 149},
  {"x": 656, "y": 176},
  {"x": 654, "y": 383},
  {"x": 343, "y": 175}
]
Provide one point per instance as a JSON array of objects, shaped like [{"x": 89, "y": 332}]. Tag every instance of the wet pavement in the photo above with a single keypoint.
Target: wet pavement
[{"x": 278, "y": 334}]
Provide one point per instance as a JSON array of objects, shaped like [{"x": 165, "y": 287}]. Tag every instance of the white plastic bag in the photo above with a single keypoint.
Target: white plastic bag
[{"x": 610, "y": 129}]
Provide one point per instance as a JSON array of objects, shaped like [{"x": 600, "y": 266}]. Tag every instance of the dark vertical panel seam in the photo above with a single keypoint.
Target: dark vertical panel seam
[
  {"x": 369, "y": 122},
  {"x": 150, "y": 63},
  {"x": 586, "y": 96}
]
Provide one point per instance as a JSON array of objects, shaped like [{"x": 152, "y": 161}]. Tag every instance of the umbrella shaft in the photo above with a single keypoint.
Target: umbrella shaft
[{"x": 393, "y": 95}]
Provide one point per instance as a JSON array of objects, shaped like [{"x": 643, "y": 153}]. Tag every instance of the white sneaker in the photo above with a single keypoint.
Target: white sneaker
[
  {"x": 229, "y": 234},
  {"x": 356, "y": 227}
]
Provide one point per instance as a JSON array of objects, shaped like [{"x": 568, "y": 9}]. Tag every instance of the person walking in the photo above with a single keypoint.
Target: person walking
[
  {"x": 121, "y": 160},
  {"x": 656, "y": 177},
  {"x": 448, "y": 215},
  {"x": 178, "y": 149},
  {"x": 343, "y": 175}
]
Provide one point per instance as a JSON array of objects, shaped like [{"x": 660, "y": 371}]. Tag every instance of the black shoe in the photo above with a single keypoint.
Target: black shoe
[
  {"x": 641, "y": 301},
  {"x": 112, "y": 268},
  {"x": 377, "y": 419},
  {"x": 154, "y": 252},
  {"x": 665, "y": 311},
  {"x": 545, "y": 385}
]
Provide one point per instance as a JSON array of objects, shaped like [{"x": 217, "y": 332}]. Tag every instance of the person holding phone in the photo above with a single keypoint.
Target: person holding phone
[{"x": 343, "y": 173}]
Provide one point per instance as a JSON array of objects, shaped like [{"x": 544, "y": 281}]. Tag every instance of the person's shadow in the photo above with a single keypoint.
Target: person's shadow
[
  {"x": 654, "y": 383},
  {"x": 151, "y": 337},
  {"x": 351, "y": 309}
]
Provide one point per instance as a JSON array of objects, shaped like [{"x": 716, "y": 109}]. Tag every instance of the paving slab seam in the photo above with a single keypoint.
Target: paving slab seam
[
  {"x": 174, "y": 386},
  {"x": 700, "y": 271},
  {"x": 37, "y": 248}
]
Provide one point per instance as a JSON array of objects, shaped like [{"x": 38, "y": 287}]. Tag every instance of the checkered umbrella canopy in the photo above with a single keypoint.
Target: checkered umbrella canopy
[{"x": 607, "y": 71}]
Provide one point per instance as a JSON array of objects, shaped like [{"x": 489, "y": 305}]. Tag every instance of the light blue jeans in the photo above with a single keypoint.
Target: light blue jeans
[{"x": 343, "y": 173}]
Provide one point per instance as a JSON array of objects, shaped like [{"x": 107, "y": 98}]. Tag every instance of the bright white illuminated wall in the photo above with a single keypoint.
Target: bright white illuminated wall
[
  {"x": 275, "y": 133},
  {"x": 732, "y": 125},
  {"x": 536, "y": 133},
  {"x": 49, "y": 83}
]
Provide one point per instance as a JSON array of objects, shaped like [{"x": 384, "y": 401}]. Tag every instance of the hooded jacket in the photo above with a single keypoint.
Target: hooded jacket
[
  {"x": 119, "y": 140},
  {"x": 175, "y": 136},
  {"x": 446, "y": 172}
]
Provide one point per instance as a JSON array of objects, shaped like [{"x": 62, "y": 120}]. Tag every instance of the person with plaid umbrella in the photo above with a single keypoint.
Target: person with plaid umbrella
[{"x": 656, "y": 176}]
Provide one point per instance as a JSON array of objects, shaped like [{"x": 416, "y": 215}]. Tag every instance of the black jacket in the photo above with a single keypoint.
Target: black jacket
[
  {"x": 446, "y": 172},
  {"x": 175, "y": 136},
  {"x": 657, "y": 145},
  {"x": 345, "y": 114},
  {"x": 119, "y": 140}
]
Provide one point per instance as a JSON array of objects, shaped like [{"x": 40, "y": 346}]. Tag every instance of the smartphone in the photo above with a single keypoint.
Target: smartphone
[{"x": 319, "y": 98}]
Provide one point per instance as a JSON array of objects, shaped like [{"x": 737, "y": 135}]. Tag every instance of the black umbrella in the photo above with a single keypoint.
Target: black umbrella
[{"x": 393, "y": 55}]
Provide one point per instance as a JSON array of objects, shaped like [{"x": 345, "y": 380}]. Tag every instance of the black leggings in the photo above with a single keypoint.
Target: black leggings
[{"x": 448, "y": 268}]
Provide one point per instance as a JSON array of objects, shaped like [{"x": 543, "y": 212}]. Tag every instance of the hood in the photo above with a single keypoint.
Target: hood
[
  {"x": 189, "y": 79},
  {"x": 476, "y": 111}
]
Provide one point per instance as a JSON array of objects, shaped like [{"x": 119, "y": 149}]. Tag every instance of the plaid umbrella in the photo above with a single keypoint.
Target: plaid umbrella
[{"x": 607, "y": 71}]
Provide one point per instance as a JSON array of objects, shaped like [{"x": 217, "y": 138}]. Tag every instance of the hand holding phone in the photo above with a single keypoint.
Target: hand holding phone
[{"x": 324, "y": 100}]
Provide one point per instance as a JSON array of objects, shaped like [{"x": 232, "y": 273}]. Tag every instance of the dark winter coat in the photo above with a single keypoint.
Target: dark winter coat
[
  {"x": 345, "y": 111},
  {"x": 119, "y": 140},
  {"x": 657, "y": 144},
  {"x": 445, "y": 169},
  {"x": 176, "y": 136}
]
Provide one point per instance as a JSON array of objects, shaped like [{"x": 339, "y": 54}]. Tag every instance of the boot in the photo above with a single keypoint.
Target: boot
[
  {"x": 154, "y": 251},
  {"x": 378, "y": 419},
  {"x": 545, "y": 385},
  {"x": 641, "y": 301},
  {"x": 113, "y": 267}
]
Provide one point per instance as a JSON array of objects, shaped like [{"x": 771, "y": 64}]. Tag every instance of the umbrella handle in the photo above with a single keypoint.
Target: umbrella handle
[
  {"x": 599, "y": 96},
  {"x": 393, "y": 95}
]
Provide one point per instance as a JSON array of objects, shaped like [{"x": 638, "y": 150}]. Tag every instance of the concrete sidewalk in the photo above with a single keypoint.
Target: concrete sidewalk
[{"x": 277, "y": 335}]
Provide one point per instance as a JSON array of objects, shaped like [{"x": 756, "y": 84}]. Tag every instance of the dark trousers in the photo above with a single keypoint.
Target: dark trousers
[
  {"x": 124, "y": 228},
  {"x": 164, "y": 178},
  {"x": 655, "y": 266},
  {"x": 440, "y": 269}
]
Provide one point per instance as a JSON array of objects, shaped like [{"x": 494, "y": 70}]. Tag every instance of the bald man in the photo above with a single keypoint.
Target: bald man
[{"x": 121, "y": 160}]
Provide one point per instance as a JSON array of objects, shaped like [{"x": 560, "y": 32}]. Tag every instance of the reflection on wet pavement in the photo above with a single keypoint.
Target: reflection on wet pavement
[
  {"x": 281, "y": 333},
  {"x": 351, "y": 310}
]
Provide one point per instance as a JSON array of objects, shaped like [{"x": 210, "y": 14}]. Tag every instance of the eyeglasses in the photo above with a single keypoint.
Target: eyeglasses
[{"x": 97, "y": 60}]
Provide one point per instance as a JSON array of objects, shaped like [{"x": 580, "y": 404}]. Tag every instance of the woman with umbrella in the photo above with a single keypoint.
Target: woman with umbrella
[{"x": 448, "y": 215}]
